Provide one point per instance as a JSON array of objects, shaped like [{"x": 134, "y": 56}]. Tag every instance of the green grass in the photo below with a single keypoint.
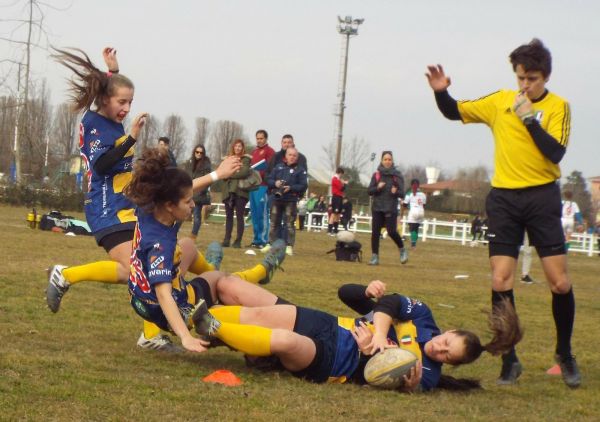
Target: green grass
[{"x": 82, "y": 363}]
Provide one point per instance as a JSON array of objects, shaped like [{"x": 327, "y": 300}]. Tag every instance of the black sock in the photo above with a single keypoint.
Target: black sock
[
  {"x": 497, "y": 297},
  {"x": 335, "y": 227},
  {"x": 563, "y": 310},
  {"x": 329, "y": 228}
]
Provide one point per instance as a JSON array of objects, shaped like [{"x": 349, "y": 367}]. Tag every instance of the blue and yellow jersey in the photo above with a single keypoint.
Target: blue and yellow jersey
[
  {"x": 105, "y": 204},
  {"x": 155, "y": 259},
  {"x": 411, "y": 331},
  {"x": 518, "y": 162}
]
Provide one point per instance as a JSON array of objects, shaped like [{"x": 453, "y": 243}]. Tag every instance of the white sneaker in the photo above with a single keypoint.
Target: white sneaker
[
  {"x": 57, "y": 287},
  {"x": 289, "y": 250},
  {"x": 161, "y": 342},
  {"x": 266, "y": 248}
]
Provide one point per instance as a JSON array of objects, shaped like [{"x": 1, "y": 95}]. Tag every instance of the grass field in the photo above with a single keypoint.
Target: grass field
[{"x": 82, "y": 363}]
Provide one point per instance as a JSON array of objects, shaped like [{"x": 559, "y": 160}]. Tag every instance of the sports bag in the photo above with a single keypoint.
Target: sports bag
[
  {"x": 250, "y": 183},
  {"x": 347, "y": 251}
]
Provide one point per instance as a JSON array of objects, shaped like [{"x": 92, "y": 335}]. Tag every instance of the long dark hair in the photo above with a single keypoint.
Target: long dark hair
[
  {"x": 204, "y": 161},
  {"x": 89, "y": 85},
  {"x": 155, "y": 181},
  {"x": 506, "y": 329}
]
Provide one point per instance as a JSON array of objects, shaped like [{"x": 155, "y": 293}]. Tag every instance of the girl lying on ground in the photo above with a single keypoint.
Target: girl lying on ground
[{"x": 320, "y": 347}]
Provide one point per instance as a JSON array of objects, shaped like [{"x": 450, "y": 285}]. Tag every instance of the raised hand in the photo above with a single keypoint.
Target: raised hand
[
  {"x": 228, "y": 166},
  {"x": 138, "y": 124},
  {"x": 109, "y": 54},
  {"x": 438, "y": 81},
  {"x": 375, "y": 289}
]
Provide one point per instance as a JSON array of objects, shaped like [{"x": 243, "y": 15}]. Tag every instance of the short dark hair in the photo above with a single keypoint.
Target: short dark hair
[
  {"x": 413, "y": 181},
  {"x": 164, "y": 139},
  {"x": 533, "y": 56},
  {"x": 287, "y": 135},
  {"x": 339, "y": 170},
  {"x": 264, "y": 132}
]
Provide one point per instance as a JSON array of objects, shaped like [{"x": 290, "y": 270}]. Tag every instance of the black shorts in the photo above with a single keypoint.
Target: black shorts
[
  {"x": 322, "y": 328},
  {"x": 336, "y": 204},
  {"x": 109, "y": 239},
  {"x": 536, "y": 210}
]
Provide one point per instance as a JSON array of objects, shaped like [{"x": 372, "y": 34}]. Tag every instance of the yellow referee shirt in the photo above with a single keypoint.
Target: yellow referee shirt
[{"x": 518, "y": 161}]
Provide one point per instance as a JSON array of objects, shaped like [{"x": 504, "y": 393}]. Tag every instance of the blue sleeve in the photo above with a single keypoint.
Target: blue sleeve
[
  {"x": 97, "y": 144},
  {"x": 272, "y": 177},
  {"x": 300, "y": 180}
]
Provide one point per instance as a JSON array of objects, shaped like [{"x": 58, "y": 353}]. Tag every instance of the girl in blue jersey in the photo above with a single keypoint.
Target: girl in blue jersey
[
  {"x": 107, "y": 152},
  {"x": 321, "y": 347},
  {"x": 159, "y": 292}
]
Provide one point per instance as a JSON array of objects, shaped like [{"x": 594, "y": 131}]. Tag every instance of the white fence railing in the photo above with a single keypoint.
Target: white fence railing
[{"x": 455, "y": 231}]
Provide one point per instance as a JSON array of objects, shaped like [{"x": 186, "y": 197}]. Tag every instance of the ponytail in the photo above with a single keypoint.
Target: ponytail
[
  {"x": 89, "y": 85},
  {"x": 506, "y": 330}
]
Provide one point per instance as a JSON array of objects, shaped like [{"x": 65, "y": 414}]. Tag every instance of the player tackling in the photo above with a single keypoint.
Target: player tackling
[{"x": 531, "y": 129}]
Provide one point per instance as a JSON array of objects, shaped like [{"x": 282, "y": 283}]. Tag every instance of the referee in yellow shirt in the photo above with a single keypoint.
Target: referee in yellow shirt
[{"x": 531, "y": 130}]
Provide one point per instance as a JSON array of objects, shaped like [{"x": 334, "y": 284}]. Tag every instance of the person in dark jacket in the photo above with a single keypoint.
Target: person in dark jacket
[
  {"x": 198, "y": 166},
  {"x": 288, "y": 181},
  {"x": 236, "y": 198},
  {"x": 386, "y": 187},
  {"x": 165, "y": 144},
  {"x": 346, "y": 212}
]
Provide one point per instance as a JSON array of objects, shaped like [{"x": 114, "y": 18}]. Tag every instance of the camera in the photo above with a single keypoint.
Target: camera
[{"x": 280, "y": 191}]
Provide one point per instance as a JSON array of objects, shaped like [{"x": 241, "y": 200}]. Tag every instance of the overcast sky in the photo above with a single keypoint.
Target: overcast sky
[{"x": 275, "y": 65}]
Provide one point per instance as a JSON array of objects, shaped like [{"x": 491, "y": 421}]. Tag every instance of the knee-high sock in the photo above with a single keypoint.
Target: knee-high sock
[
  {"x": 414, "y": 235},
  {"x": 563, "y": 310},
  {"x": 150, "y": 330},
  {"x": 201, "y": 265},
  {"x": 100, "y": 271},
  {"x": 227, "y": 313},
  {"x": 254, "y": 274},
  {"x": 248, "y": 339},
  {"x": 496, "y": 299}
]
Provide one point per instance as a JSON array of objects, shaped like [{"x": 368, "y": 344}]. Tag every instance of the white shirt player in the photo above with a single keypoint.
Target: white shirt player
[
  {"x": 416, "y": 203},
  {"x": 569, "y": 210}
]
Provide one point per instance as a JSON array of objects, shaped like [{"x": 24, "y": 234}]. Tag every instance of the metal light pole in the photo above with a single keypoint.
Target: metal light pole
[{"x": 347, "y": 27}]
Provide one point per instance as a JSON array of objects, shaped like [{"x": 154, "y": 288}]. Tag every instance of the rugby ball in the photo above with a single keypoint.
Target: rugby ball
[
  {"x": 387, "y": 369},
  {"x": 344, "y": 236}
]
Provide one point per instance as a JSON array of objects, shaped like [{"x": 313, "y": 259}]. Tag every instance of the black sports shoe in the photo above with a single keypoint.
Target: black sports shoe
[
  {"x": 204, "y": 323},
  {"x": 527, "y": 280},
  {"x": 569, "y": 370},
  {"x": 511, "y": 370}
]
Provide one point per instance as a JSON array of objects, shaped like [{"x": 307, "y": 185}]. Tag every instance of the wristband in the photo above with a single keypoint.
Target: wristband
[{"x": 214, "y": 176}]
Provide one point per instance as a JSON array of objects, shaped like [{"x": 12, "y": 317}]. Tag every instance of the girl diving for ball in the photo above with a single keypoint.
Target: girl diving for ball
[
  {"x": 320, "y": 347},
  {"x": 159, "y": 292}
]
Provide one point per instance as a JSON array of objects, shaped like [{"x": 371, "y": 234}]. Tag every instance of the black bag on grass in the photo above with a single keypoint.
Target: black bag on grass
[{"x": 347, "y": 251}]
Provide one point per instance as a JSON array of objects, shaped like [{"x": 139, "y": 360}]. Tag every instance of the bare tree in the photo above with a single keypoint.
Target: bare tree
[
  {"x": 223, "y": 134},
  {"x": 202, "y": 126},
  {"x": 149, "y": 134},
  {"x": 64, "y": 129},
  {"x": 355, "y": 155},
  {"x": 175, "y": 130}
]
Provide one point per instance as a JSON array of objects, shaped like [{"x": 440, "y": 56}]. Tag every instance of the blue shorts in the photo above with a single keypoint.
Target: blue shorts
[{"x": 321, "y": 328}]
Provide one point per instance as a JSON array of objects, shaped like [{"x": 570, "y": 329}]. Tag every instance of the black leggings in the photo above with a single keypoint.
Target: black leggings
[
  {"x": 238, "y": 204},
  {"x": 390, "y": 221}
]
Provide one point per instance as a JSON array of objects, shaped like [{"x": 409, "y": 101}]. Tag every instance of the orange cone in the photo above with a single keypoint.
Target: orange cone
[
  {"x": 555, "y": 370},
  {"x": 223, "y": 376}
]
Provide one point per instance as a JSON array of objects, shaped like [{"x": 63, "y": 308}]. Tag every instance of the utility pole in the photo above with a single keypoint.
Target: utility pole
[{"x": 346, "y": 27}]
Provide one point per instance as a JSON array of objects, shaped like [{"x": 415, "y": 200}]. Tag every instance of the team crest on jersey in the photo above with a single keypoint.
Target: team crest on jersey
[
  {"x": 94, "y": 146},
  {"x": 94, "y": 131},
  {"x": 157, "y": 247}
]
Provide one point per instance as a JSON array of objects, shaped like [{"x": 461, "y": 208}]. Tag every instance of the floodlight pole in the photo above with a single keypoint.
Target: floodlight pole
[{"x": 346, "y": 27}]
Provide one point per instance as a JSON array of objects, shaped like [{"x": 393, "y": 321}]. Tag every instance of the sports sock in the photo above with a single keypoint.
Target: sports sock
[
  {"x": 329, "y": 228},
  {"x": 229, "y": 313},
  {"x": 249, "y": 339},
  {"x": 254, "y": 274},
  {"x": 567, "y": 246},
  {"x": 335, "y": 227},
  {"x": 413, "y": 237},
  {"x": 150, "y": 330},
  {"x": 100, "y": 271},
  {"x": 563, "y": 310},
  {"x": 201, "y": 265},
  {"x": 497, "y": 298}
]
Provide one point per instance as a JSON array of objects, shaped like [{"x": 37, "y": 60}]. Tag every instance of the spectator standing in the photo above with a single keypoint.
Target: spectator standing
[
  {"x": 320, "y": 207},
  {"x": 570, "y": 214},
  {"x": 386, "y": 188},
  {"x": 337, "y": 194},
  {"x": 259, "y": 199},
  {"x": 288, "y": 181},
  {"x": 198, "y": 166},
  {"x": 415, "y": 200},
  {"x": 164, "y": 143},
  {"x": 236, "y": 198},
  {"x": 302, "y": 210}
]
